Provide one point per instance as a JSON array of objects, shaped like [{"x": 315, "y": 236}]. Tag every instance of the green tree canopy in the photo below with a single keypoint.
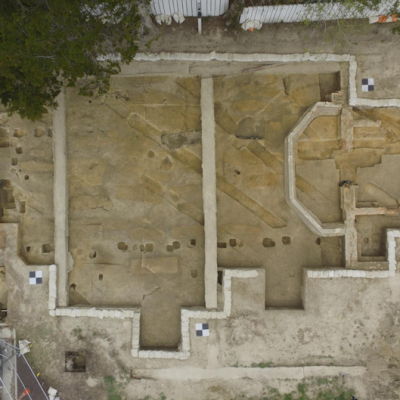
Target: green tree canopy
[{"x": 45, "y": 44}]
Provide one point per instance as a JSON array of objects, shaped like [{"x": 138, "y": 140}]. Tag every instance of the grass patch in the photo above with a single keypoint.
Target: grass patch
[
  {"x": 154, "y": 39},
  {"x": 151, "y": 41},
  {"x": 322, "y": 356},
  {"x": 315, "y": 389},
  {"x": 322, "y": 381},
  {"x": 237, "y": 365},
  {"x": 262, "y": 365},
  {"x": 310, "y": 389},
  {"x": 78, "y": 332},
  {"x": 115, "y": 389},
  {"x": 253, "y": 365}
]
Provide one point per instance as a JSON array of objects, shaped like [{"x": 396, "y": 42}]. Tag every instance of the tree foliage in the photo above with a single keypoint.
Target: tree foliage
[{"x": 46, "y": 44}]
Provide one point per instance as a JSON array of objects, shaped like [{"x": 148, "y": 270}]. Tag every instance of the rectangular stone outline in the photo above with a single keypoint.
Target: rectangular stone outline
[{"x": 229, "y": 274}]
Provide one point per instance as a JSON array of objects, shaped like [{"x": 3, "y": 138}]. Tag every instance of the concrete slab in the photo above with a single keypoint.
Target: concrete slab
[{"x": 209, "y": 191}]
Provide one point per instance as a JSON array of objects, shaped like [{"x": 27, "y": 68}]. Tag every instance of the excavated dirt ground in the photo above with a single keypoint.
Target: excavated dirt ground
[
  {"x": 135, "y": 201},
  {"x": 136, "y": 232},
  {"x": 256, "y": 227},
  {"x": 26, "y": 169},
  {"x": 135, "y": 192},
  {"x": 136, "y": 152},
  {"x": 371, "y": 164}
]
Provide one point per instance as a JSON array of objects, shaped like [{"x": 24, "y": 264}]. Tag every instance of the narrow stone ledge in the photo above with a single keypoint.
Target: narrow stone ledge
[
  {"x": 346, "y": 273},
  {"x": 311, "y": 220},
  {"x": 209, "y": 191},
  {"x": 239, "y": 57},
  {"x": 336, "y": 230},
  {"x": 200, "y": 314},
  {"x": 283, "y": 58}
]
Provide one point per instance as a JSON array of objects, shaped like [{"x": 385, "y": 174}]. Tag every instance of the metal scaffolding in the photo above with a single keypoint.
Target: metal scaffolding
[{"x": 17, "y": 379}]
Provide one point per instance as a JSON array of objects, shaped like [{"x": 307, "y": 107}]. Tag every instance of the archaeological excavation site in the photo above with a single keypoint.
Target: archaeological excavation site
[{"x": 215, "y": 224}]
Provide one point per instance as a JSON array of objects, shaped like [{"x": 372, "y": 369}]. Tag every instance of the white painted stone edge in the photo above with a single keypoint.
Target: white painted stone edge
[
  {"x": 312, "y": 222},
  {"x": 73, "y": 312},
  {"x": 260, "y": 57},
  {"x": 134, "y": 314},
  {"x": 345, "y": 273},
  {"x": 392, "y": 234},
  {"x": 255, "y": 57},
  {"x": 186, "y": 313}
]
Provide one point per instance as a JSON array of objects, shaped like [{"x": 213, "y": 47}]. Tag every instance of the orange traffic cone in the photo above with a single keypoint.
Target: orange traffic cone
[{"x": 24, "y": 393}]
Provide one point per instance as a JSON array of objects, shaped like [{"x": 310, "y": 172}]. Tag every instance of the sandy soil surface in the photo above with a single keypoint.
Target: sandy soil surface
[
  {"x": 26, "y": 165},
  {"x": 135, "y": 205},
  {"x": 344, "y": 323}
]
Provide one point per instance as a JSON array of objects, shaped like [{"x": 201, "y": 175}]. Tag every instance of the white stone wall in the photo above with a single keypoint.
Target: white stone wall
[
  {"x": 255, "y": 57},
  {"x": 392, "y": 234},
  {"x": 134, "y": 314},
  {"x": 186, "y": 314},
  {"x": 258, "y": 57},
  {"x": 309, "y": 219},
  {"x": 346, "y": 273}
]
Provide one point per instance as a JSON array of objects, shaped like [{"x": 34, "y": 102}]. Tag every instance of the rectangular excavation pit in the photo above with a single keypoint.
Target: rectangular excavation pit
[
  {"x": 135, "y": 200},
  {"x": 75, "y": 361},
  {"x": 256, "y": 227},
  {"x": 251, "y": 124},
  {"x": 244, "y": 235},
  {"x": 371, "y": 236}
]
